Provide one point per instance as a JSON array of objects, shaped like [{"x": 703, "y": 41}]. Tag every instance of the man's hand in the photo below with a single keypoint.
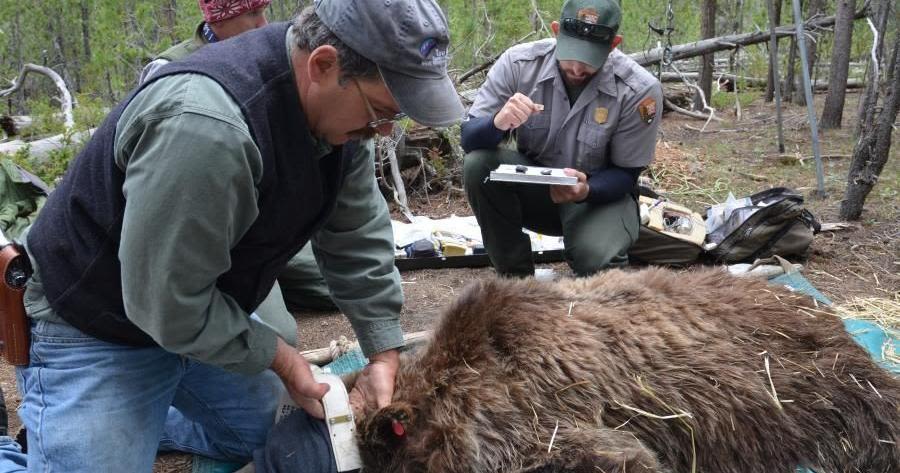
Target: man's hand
[
  {"x": 566, "y": 194},
  {"x": 515, "y": 112},
  {"x": 295, "y": 373},
  {"x": 374, "y": 387}
]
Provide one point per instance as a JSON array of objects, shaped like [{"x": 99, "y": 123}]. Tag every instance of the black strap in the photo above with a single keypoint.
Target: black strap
[{"x": 771, "y": 241}]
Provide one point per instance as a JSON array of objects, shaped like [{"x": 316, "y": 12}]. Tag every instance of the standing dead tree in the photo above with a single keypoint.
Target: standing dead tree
[
  {"x": 872, "y": 150},
  {"x": 793, "y": 82},
  {"x": 869, "y": 98},
  {"x": 774, "y": 13},
  {"x": 840, "y": 65},
  {"x": 707, "y": 30}
]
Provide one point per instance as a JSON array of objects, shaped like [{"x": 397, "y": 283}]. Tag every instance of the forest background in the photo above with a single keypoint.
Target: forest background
[{"x": 100, "y": 46}]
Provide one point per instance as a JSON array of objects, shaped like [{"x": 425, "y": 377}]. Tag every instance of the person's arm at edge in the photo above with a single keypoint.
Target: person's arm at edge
[
  {"x": 478, "y": 130},
  {"x": 611, "y": 184},
  {"x": 355, "y": 251},
  {"x": 176, "y": 238}
]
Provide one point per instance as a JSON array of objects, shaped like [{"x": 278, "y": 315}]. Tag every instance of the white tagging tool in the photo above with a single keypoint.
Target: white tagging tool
[{"x": 338, "y": 418}]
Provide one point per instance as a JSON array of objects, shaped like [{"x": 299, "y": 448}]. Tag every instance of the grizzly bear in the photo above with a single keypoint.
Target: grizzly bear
[{"x": 644, "y": 371}]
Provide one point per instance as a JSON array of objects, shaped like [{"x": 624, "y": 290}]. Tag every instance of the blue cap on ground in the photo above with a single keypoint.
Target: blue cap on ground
[{"x": 408, "y": 40}]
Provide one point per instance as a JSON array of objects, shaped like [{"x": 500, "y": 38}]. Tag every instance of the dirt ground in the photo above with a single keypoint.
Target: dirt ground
[{"x": 695, "y": 169}]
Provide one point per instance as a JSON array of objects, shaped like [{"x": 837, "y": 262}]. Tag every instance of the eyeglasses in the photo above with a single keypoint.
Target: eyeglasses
[
  {"x": 376, "y": 122},
  {"x": 589, "y": 31}
]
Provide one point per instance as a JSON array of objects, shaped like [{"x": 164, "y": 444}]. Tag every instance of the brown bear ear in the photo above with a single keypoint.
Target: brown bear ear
[{"x": 391, "y": 425}]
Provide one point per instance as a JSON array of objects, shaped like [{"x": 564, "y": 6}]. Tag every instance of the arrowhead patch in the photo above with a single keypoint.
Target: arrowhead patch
[{"x": 647, "y": 110}]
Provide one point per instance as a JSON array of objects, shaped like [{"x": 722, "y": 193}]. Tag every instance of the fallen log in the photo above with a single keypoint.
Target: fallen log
[
  {"x": 39, "y": 150},
  {"x": 723, "y": 43},
  {"x": 751, "y": 81}
]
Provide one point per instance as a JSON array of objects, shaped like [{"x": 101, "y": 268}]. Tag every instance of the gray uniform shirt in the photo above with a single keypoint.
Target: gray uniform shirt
[{"x": 614, "y": 120}]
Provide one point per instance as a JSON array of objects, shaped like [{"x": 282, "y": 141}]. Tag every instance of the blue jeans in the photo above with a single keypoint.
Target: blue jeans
[
  {"x": 95, "y": 406},
  {"x": 11, "y": 457},
  {"x": 298, "y": 444}
]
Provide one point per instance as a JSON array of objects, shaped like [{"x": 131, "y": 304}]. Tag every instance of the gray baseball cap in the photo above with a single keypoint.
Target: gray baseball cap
[{"x": 408, "y": 41}]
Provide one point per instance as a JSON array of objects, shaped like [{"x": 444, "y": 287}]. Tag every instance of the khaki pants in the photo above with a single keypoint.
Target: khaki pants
[{"x": 596, "y": 236}]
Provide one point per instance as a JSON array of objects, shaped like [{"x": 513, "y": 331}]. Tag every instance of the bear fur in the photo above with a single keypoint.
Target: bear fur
[{"x": 644, "y": 371}]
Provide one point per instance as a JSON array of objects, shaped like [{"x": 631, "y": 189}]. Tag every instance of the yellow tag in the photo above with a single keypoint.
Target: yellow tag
[{"x": 600, "y": 114}]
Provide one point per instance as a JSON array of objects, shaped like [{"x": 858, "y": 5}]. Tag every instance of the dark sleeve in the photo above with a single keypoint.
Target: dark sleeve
[
  {"x": 480, "y": 133},
  {"x": 611, "y": 184}
]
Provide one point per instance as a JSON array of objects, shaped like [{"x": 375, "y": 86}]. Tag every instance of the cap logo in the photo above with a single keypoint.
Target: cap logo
[
  {"x": 427, "y": 46},
  {"x": 588, "y": 15}
]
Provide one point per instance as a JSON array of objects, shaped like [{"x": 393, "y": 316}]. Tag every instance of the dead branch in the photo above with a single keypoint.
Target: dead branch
[
  {"x": 475, "y": 70},
  {"x": 751, "y": 81},
  {"x": 723, "y": 43},
  {"x": 688, "y": 113},
  {"x": 66, "y": 97}
]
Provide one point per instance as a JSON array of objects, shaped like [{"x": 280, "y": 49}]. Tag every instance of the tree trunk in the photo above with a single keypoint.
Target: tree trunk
[
  {"x": 787, "y": 85},
  {"x": 770, "y": 87},
  {"x": 20, "y": 61},
  {"x": 869, "y": 99},
  {"x": 86, "y": 30},
  {"x": 57, "y": 30},
  {"x": 815, "y": 7},
  {"x": 871, "y": 152},
  {"x": 840, "y": 65},
  {"x": 170, "y": 21},
  {"x": 707, "y": 30}
]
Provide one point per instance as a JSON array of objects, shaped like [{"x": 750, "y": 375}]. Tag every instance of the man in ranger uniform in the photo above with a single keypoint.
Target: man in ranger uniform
[
  {"x": 573, "y": 102},
  {"x": 153, "y": 255}
]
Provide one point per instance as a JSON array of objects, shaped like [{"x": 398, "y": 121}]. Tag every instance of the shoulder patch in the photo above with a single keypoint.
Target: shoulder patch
[{"x": 647, "y": 110}]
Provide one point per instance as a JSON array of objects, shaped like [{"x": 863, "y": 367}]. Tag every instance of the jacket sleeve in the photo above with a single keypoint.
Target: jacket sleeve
[
  {"x": 190, "y": 195},
  {"x": 355, "y": 251}
]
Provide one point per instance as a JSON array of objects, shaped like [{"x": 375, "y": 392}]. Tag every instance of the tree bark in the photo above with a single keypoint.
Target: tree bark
[
  {"x": 869, "y": 99},
  {"x": 770, "y": 87},
  {"x": 170, "y": 21},
  {"x": 815, "y": 8},
  {"x": 86, "y": 30},
  {"x": 872, "y": 150},
  {"x": 787, "y": 85},
  {"x": 840, "y": 65},
  {"x": 707, "y": 64}
]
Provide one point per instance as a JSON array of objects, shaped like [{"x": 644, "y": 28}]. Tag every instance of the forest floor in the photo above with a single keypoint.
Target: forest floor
[{"x": 852, "y": 267}]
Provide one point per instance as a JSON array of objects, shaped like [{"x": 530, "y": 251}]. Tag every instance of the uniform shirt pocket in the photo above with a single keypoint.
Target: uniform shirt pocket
[
  {"x": 533, "y": 134},
  {"x": 592, "y": 144}
]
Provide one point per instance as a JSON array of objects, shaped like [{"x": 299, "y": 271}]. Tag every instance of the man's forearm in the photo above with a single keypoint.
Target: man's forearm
[
  {"x": 480, "y": 133},
  {"x": 611, "y": 184}
]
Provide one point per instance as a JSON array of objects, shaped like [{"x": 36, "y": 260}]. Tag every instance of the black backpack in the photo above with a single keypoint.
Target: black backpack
[{"x": 779, "y": 225}]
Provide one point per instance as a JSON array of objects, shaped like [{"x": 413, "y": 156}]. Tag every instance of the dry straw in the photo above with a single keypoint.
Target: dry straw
[{"x": 883, "y": 312}]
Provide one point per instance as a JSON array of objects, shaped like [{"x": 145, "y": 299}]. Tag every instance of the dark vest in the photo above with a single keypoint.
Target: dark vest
[{"x": 75, "y": 240}]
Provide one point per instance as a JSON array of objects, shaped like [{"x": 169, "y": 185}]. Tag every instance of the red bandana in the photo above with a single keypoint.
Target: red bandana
[{"x": 218, "y": 10}]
